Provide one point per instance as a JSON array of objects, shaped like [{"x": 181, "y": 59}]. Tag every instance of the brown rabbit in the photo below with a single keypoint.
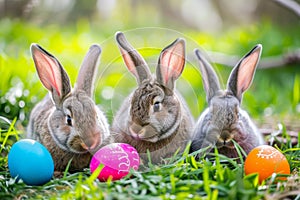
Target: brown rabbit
[
  {"x": 67, "y": 121},
  {"x": 224, "y": 121},
  {"x": 154, "y": 117}
]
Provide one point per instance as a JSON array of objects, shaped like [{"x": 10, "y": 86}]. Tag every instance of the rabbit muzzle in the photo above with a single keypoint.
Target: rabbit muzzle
[
  {"x": 225, "y": 139},
  {"x": 91, "y": 142},
  {"x": 145, "y": 132}
]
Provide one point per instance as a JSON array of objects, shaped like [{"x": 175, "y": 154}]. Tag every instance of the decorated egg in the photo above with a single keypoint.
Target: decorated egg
[
  {"x": 117, "y": 160},
  {"x": 266, "y": 160},
  {"x": 30, "y": 161}
]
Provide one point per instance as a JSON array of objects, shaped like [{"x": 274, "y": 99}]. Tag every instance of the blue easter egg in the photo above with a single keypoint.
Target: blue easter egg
[{"x": 30, "y": 161}]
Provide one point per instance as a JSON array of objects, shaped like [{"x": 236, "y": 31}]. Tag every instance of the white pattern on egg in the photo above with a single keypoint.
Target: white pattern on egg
[{"x": 262, "y": 154}]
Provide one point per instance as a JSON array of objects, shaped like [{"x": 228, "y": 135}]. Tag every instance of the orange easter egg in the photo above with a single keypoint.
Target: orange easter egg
[{"x": 266, "y": 160}]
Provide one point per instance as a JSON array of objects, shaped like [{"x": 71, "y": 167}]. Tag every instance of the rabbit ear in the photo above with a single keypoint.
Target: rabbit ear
[
  {"x": 133, "y": 60},
  {"x": 242, "y": 75},
  {"x": 210, "y": 79},
  {"x": 88, "y": 70},
  {"x": 51, "y": 73},
  {"x": 171, "y": 63}
]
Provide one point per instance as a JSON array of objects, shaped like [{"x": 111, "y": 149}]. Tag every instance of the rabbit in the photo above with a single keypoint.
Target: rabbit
[
  {"x": 67, "y": 121},
  {"x": 154, "y": 117},
  {"x": 224, "y": 121}
]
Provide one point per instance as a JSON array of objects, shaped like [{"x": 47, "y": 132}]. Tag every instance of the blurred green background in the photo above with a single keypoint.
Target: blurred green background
[{"x": 226, "y": 30}]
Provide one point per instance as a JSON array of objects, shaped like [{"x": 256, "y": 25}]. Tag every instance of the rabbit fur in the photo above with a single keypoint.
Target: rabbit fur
[
  {"x": 224, "y": 120},
  {"x": 67, "y": 121},
  {"x": 154, "y": 118}
]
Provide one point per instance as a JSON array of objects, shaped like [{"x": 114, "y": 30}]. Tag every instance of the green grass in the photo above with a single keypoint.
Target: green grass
[
  {"x": 276, "y": 91},
  {"x": 183, "y": 178}
]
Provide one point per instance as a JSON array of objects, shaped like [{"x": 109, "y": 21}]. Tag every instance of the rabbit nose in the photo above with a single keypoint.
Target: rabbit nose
[
  {"x": 135, "y": 130},
  {"x": 135, "y": 135},
  {"x": 225, "y": 136},
  {"x": 91, "y": 142}
]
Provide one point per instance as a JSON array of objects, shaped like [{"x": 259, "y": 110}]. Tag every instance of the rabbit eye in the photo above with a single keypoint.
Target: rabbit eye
[
  {"x": 156, "y": 107},
  {"x": 69, "y": 120}
]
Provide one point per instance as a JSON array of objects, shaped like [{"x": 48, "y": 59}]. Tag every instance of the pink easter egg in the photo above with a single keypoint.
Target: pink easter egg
[{"x": 117, "y": 158}]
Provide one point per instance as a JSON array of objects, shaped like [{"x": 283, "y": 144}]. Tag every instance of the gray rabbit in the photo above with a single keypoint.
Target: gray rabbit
[
  {"x": 154, "y": 117},
  {"x": 67, "y": 121},
  {"x": 224, "y": 120}
]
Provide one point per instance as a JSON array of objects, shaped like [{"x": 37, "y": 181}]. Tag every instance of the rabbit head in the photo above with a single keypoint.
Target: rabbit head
[
  {"x": 154, "y": 107},
  {"x": 75, "y": 122},
  {"x": 224, "y": 121}
]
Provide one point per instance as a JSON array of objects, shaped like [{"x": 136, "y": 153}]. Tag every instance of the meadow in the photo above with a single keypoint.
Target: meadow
[{"x": 273, "y": 101}]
